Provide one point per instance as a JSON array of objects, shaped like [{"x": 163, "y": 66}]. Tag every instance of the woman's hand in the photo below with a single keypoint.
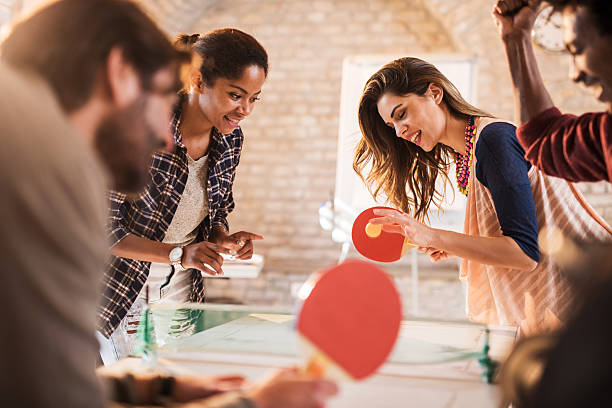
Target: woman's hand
[
  {"x": 238, "y": 244},
  {"x": 435, "y": 254},
  {"x": 204, "y": 256},
  {"x": 396, "y": 222}
]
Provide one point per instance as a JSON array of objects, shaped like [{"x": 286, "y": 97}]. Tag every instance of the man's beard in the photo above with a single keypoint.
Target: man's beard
[{"x": 125, "y": 143}]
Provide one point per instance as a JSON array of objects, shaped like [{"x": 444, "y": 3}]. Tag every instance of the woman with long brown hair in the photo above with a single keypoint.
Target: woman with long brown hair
[{"x": 414, "y": 124}]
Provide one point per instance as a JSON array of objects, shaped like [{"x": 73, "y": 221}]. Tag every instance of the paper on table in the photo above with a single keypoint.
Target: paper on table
[{"x": 240, "y": 268}]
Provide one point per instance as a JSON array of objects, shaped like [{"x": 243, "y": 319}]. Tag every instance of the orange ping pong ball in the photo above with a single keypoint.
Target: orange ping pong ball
[{"x": 373, "y": 230}]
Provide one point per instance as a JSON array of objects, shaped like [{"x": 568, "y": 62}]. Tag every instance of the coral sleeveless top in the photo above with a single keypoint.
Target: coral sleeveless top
[{"x": 537, "y": 300}]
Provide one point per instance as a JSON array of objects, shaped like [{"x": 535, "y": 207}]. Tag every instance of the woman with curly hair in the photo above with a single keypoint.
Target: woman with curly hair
[{"x": 172, "y": 235}]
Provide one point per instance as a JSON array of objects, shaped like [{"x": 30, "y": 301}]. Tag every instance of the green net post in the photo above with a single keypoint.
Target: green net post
[
  {"x": 145, "y": 336},
  {"x": 489, "y": 366}
]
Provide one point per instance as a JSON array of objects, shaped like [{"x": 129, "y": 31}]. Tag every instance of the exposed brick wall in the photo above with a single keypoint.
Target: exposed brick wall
[
  {"x": 288, "y": 164},
  {"x": 7, "y": 8}
]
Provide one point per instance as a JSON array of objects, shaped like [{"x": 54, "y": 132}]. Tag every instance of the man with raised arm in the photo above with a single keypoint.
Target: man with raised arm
[{"x": 576, "y": 148}]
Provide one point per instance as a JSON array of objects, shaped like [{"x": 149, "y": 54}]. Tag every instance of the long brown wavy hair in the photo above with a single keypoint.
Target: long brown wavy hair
[{"x": 404, "y": 172}]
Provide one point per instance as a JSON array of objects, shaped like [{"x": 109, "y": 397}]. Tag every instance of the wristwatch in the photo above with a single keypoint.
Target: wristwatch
[{"x": 176, "y": 256}]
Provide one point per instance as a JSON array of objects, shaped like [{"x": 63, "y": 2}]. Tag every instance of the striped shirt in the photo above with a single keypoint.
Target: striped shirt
[
  {"x": 150, "y": 214},
  {"x": 537, "y": 300}
]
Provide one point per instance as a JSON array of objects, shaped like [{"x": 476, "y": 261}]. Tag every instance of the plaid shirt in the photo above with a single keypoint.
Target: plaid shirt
[{"x": 151, "y": 213}]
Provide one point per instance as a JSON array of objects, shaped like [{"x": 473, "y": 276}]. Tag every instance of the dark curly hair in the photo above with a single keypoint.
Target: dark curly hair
[
  {"x": 601, "y": 10},
  {"x": 225, "y": 53}
]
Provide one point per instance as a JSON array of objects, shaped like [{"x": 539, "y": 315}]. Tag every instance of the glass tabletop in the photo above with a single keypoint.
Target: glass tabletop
[{"x": 268, "y": 330}]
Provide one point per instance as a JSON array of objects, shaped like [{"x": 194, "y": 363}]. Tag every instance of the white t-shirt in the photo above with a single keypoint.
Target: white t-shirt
[{"x": 190, "y": 212}]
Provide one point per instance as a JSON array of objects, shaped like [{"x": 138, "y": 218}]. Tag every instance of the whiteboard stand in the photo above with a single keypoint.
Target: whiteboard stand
[{"x": 414, "y": 272}]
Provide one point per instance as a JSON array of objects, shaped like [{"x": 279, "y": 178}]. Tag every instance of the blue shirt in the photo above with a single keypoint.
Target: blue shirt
[{"x": 501, "y": 167}]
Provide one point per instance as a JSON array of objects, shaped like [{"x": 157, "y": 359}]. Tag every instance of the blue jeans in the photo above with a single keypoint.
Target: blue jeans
[
  {"x": 121, "y": 343},
  {"x": 165, "y": 286}
]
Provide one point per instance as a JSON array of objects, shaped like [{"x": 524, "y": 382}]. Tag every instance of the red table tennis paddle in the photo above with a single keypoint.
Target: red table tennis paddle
[
  {"x": 374, "y": 243},
  {"x": 351, "y": 319}
]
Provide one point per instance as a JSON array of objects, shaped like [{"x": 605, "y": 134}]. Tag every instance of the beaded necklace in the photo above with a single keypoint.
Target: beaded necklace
[{"x": 463, "y": 162}]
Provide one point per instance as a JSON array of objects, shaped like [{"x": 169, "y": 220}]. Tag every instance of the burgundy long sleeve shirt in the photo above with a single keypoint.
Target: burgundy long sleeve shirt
[{"x": 576, "y": 148}]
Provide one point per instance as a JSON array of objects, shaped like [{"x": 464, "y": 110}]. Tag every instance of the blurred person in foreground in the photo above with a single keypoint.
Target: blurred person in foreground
[
  {"x": 576, "y": 148},
  {"x": 87, "y": 88},
  {"x": 571, "y": 367}
]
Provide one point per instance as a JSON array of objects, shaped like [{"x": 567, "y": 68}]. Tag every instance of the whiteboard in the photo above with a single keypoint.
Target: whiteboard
[{"x": 350, "y": 191}]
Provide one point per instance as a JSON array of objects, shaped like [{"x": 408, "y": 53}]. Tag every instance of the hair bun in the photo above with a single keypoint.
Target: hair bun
[{"x": 186, "y": 39}]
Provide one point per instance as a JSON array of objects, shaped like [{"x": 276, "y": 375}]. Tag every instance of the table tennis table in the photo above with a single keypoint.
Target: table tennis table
[{"x": 434, "y": 362}]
